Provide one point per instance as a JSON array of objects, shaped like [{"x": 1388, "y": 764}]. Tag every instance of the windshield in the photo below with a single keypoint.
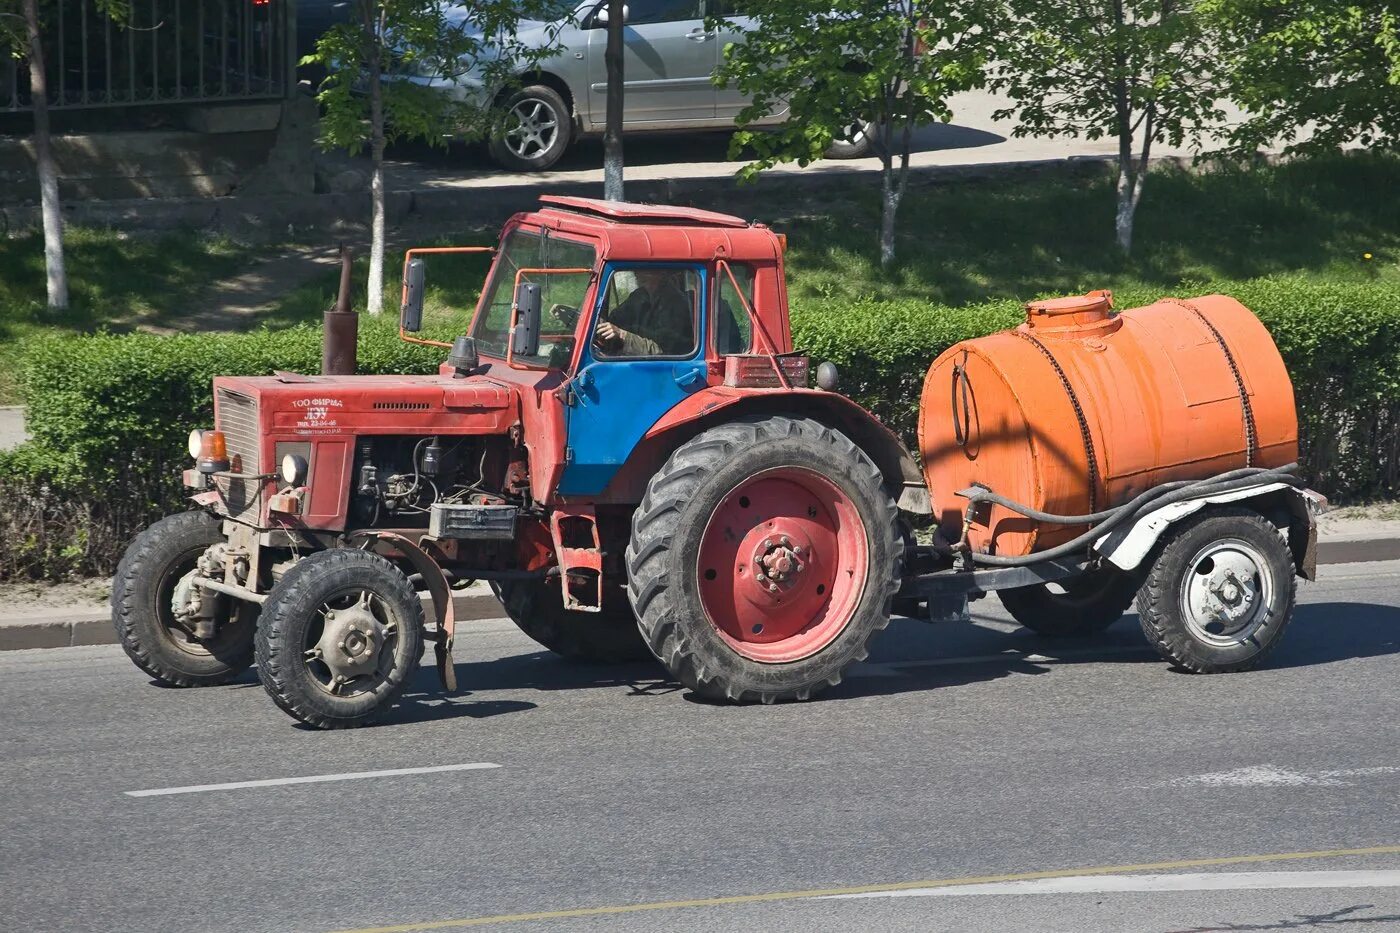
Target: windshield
[{"x": 562, "y": 294}]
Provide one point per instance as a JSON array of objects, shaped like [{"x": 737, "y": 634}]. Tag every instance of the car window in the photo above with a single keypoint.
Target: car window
[
  {"x": 733, "y": 329},
  {"x": 641, "y": 12},
  {"x": 649, "y": 313},
  {"x": 562, "y": 293}
]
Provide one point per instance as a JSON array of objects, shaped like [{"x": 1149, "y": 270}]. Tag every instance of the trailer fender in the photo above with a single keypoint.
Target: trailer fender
[
  {"x": 718, "y": 404},
  {"x": 397, "y": 547},
  {"x": 1128, "y": 545}
]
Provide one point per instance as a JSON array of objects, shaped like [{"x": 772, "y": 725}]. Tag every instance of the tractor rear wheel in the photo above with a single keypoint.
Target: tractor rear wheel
[
  {"x": 606, "y": 637},
  {"x": 156, "y": 564},
  {"x": 764, "y": 557}
]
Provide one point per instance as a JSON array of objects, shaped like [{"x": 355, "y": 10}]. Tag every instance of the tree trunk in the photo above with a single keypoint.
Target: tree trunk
[
  {"x": 374, "y": 301},
  {"x": 1127, "y": 207},
  {"x": 612, "y": 136},
  {"x": 43, "y": 156}
]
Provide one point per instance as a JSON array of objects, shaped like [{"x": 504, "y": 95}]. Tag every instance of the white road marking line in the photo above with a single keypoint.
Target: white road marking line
[
  {"x": 312, "y": 779},
  {"x": 1109, "y": 884},
  {"x": 1274, "y": 776}
]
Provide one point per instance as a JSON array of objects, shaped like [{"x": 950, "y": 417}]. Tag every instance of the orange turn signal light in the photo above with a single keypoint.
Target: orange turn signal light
[{"x": 213, "y": 452}]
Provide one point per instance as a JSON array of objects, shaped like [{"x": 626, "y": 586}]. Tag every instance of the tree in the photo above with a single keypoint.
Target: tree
[
  {"x": 612, "y": 135},
  {"x": 1315, "y": 74},
  {"x": 890, "y": 63},
  {"x": 20, "y": 30},
  {"x": 1140, "y": 71},
  {"x": 419, "y": 69}
]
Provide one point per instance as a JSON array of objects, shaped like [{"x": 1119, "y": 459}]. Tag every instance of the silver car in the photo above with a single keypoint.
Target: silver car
[{"x": 669, "y": 61}]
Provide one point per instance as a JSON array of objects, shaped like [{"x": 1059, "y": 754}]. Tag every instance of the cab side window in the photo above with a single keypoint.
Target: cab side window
[
  {"x": 733, "y": 329},
  {"x": 649, "y": 312}
]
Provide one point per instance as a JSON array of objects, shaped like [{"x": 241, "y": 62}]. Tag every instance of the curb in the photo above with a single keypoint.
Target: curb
[
  {"x": 92, "y": 626},
  {"x": 89, "y": 626}
]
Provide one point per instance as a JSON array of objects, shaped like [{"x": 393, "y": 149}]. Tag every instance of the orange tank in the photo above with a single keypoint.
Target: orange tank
[{"x": 1080, "y": 409}]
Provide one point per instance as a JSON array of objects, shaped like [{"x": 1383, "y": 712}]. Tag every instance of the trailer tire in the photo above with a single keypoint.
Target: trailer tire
[
  {"x": 1195, "y": 564},
  {"x": 1089, "y": 604},
  {"x": 365, "y": 595},
  {"x": 142, "y": 590},
  {"x": 794, "y": 497},
  {"x": 607, "y": 637}
]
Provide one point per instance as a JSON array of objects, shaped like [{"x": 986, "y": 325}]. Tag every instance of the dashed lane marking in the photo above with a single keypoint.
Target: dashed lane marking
[{"x": 311, "y": 779}]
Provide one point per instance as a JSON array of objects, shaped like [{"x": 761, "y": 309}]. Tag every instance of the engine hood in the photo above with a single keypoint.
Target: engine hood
[{"x": 317, "y": 406}]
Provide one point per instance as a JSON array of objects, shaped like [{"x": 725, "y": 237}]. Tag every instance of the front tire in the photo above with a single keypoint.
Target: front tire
[
  {"x": 537, "y": 130},
  {"x": 606, "y": 637},
  {"x": 142, "y": 593},
  {"x": 1220, "y": 593},
  {"x": 1088, "y": 604},
  {"x": 341, "y": 634},
  {"x": 763, "y": 559},
  {"x": 857, "y": 141}
]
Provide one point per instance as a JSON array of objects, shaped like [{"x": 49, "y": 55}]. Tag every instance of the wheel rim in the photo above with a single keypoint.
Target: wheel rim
[
  {"x": 854, "y": 133},
  {"x": 1227, "y": 592},
  {"x": 534, "y": 127},
  {"x": 351, "y": 646},
  {"x": 782, "y": 565}
]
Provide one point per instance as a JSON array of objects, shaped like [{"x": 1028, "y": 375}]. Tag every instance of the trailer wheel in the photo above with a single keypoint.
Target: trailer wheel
[
  {"x": 1220, "y": 592},
  {"x": 764, "y": 557},
  {"x": 606, "y": 637},
  {"x": 142, "y": 593},
  {"x": 340, "y": 635},
  {"x": 1087, "y": 605}
]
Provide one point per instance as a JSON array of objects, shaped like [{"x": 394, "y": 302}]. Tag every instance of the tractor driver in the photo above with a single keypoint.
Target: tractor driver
[{"x": 655, "y": 320}]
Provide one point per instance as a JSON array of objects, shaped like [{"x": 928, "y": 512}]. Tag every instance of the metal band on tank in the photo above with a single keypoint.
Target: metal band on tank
[
  {"x": 1078, "y": 414},
  {"x": 1250, "y": 432}
]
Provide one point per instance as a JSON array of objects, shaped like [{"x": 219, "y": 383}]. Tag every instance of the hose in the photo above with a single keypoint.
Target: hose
[{"x": 1157, "y": 497}]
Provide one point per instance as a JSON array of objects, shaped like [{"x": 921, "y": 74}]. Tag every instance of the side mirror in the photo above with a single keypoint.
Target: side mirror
[
  {"x": 525, "y": 339},
  {"x": 411, "y": 313},
  {"x": 601, "y": 18}
]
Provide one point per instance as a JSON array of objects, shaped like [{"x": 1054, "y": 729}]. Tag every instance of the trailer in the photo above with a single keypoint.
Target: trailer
[{"x": 626, "y": 444}]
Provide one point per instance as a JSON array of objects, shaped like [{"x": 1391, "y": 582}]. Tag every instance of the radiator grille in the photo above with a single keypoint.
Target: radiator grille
[
  {"x": 401, "y": 406},
  {"x": 238, "y": 419}
]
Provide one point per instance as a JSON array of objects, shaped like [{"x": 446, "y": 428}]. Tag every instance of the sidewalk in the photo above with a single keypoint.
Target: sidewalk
[
  {"x": 12, "y": 432},
  {"x": 59, "y": 617}
]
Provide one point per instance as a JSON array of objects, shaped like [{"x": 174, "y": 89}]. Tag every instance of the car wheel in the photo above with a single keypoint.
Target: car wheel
[
  {"x": 537, "y": 129},
  {"x": 856, "y": 141}
]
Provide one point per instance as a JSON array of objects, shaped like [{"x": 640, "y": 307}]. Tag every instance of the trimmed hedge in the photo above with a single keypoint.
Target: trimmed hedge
[{"x": 110, "y": 414}]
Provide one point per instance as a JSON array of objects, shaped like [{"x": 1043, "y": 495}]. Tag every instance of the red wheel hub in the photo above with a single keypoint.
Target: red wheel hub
[{"x": 783, "y": 564}]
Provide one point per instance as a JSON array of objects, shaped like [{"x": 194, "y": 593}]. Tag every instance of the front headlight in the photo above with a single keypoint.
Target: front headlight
[
  {"x": 196, "y": 441},
  {"x": 293, "y": 470}
]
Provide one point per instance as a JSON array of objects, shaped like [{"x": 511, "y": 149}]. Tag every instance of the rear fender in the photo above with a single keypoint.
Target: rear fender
[
  {"x": 720, "y": 404},
  {"x": 1293, "y": 510}
]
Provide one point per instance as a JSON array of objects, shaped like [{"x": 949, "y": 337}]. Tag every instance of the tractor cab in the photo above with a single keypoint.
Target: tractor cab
[{"x": 622, "y": 312}]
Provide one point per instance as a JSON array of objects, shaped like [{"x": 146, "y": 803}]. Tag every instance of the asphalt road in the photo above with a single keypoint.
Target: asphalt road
[{"x": 617, "y": 790}]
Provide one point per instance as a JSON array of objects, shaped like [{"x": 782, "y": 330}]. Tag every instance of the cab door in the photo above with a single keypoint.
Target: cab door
[{"x": 618, "y": 394}]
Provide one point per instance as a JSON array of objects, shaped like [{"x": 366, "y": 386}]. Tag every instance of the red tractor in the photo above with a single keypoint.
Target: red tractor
[{"x": 624, "y": 445}]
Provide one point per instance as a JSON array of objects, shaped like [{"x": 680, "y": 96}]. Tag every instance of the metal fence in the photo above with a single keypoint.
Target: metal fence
[{"x": 168, "y": 51}]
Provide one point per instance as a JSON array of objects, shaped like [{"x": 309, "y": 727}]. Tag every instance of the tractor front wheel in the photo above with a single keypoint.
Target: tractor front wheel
[
  {"x": 156, "y": 567},
  {"x": 764, "y": 557},
  {"x": 340, "y": 635}
]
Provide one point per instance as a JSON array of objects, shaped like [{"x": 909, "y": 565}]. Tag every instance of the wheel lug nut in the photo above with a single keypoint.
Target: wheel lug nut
[
  {"x": 772, "y": 587},
  {"x": 786, "y": 541}
]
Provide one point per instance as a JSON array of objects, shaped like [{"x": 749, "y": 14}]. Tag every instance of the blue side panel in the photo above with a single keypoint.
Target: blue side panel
[{"x": 617, "y": 402}]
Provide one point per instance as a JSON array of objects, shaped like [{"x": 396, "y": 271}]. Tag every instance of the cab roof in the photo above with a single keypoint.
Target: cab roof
[
  {"x": 628, "y": 231},
  {"x": 625, "y": 211}
]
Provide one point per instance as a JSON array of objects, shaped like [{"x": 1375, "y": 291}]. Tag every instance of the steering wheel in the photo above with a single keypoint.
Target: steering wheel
[{"x": 565, "y": 314}]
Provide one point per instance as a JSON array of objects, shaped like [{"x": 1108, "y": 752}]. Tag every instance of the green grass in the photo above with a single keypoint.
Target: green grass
[
  {"x": 969, "y": 241},
  {"x": 959, "y": 242},
  {"x": 115, "y": 281}
]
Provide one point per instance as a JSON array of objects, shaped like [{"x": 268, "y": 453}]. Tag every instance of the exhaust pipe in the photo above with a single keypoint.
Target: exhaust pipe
[{"x": 340, "y": 327}]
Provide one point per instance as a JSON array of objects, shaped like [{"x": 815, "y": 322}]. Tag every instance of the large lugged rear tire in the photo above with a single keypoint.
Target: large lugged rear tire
[
  {"x": 341, "y": 634},
  {"x": 1088, "y": 604},
  {"x": 147, "y": 630},
  {"x": 764, "y": 557},
  {"x": 607, "y": 637},
  {"x": 1220, "y": 592}
]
